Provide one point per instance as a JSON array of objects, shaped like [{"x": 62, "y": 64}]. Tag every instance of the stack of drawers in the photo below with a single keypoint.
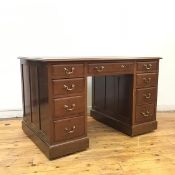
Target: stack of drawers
[
  {"x": 146, "y": 91},
  {"x": 68, "y": 104}
]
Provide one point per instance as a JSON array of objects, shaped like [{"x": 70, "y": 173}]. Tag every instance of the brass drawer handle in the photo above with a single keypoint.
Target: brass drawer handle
[
  {"x": 69, "y": 88},
  {"x": 99, "y": 69},
  {"x": 148, "y": 66},
  {"x": 69, "y": 71},
  {"x": 147, "y": 80},
  {"x": 147, "y": 96},
  {"x": 70, "y": 131},
  {"x": 67, "y": 108},
  {"x": 145, "y": 114},
  {"x": 123, "y": 66}
]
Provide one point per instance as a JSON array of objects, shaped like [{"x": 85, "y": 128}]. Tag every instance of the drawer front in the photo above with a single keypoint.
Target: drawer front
[
  {"x": 145, "y": 113},
  {"x": 71, "y": 106},
  {"x": 69, "y": 128},
  {"x": 110, "y": 68},
  {"x": 145, "y": 96},
  {"x": 147, "y": 66},
  {"x": 68, "y": 87},
  {"x": 146, "y": 80},
  {"x": 67, "y": 70}
]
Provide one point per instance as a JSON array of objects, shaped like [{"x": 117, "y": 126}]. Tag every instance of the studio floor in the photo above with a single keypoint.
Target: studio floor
[{"x": 110, "y": 152}]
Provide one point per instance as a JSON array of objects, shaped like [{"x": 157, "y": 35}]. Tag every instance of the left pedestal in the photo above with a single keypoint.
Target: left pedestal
[{"x": 54, "y": 105}]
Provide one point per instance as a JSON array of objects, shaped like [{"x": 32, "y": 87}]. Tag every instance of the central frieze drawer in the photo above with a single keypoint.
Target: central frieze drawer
[
  {"x": 68, "y": 86},
  {"x": 69, "y": 128},
  {"x": 146, "y": 95},
  {"x": 67, "y": 70},
  {"x": 71, "y": 106},
  {"x": 108, "y": 68},
  {"x": 146, "y": 80}
]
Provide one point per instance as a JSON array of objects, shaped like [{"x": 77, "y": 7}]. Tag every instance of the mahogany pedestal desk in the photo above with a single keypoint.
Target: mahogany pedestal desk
[{"x": 124, "y": 96}]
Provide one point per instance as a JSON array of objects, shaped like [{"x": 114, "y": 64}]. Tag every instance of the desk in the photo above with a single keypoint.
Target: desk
[{"x": 124, "y": 96}]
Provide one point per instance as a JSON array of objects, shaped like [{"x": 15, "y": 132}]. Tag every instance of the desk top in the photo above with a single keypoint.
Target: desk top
[{"x": 89, "y": 58}]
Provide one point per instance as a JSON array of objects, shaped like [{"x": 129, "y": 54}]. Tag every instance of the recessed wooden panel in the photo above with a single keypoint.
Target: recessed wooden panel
[
  {"x": 146, "y": 80},
  {"x": 146, "y": 95},
  {"x": 99, "y": 92},
  {"x": 26, "y": 91},
  {"x": 67, "y": 70},
  {"x": 34, "y": 95},
  {"x": 113, "y": 96},
  {"x": 68, "y": 87},
  {"x": 44, "y": 98},
  {"x": 69, "y": 128},
  {"x": 110, "y": 95},
  {"x": 67, "y": 107}
]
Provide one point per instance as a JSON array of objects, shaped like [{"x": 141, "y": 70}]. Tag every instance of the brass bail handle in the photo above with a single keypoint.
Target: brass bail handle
[
  {"x": 148, "y": 66},
  {"x": 145, "y": 114},
  {"x": 70, "y": 131},
  {"x": 147, "y": 96},
  {"x": 123, "y": 66},
  {"x": 69, "y": 88},
  {"x": 147, "y": 80},
  {"x": 69, "y": 71},
  {"x": 67, "y": 108},
  {"x": 99, "y": 69}
]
